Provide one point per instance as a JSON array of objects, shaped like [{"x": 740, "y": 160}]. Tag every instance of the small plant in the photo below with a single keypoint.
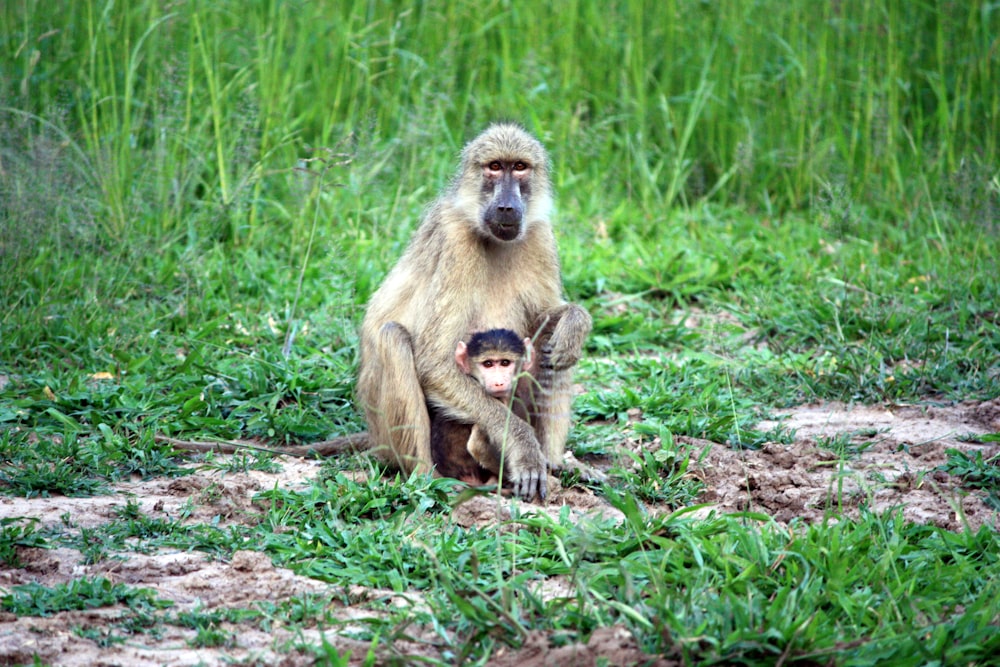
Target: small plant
[
  {"x": 211, "y": 635},
  {"x": 244, "y": 462},
  {"x": 307, "y": 609},
  {"x": 976, "y": 473},
  {"x": 327, "y": 655},
  {"x": 92, "y": 544},
  {"x": 17, "y": 532},
  {"x": 838, "y": 444},
  {"x": 133, "y": 523},
  {"x": 102, "y": 636},
  {"x": 74, "y": 464},
  {"x": 661, "y": 475},
  {"x": 845, "y": 444},
  {"x": 43, "y": 478},
  {"x": 86, "y": 593},
  {"x": 207, "y": 625}
]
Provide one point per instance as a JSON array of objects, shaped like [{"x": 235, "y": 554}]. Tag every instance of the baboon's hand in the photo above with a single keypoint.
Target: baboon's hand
[
  {"x": 559, "y": 358},
  {"x": 526, "y": 466},
  {"x": 530, "y": 481},
  {"x": 565, "y": 346}
]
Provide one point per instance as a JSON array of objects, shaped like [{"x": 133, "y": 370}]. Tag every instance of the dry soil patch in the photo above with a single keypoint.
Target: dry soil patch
[{"x": 892, "y": 460}]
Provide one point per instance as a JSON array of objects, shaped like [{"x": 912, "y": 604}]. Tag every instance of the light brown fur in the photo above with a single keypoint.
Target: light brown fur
[{"x": 457, "y": 277}]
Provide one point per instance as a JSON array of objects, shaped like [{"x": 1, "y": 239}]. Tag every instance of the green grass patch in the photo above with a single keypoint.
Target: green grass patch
[
  {"x": 144, "y": 534},
  {"x": 18, "y": 532},
  {"x": 42, "y": 465},
  {"x": 977, "y": 472},
  {"x": 208, "y": 625},
  {"x": 84, "y": 593},
  {"x": 724, "y": 588},
  {"x": 721, "y": 589}
]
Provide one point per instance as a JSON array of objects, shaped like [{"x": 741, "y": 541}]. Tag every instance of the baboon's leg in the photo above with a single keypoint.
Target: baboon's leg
[
  {"x": 551, "y": 411},
  {"x": 388, "y": 387},
  {"x": 559, "y": 335},
  {"x": 482, "y": 451}
]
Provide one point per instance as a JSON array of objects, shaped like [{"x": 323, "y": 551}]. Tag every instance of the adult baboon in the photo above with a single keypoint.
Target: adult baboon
[
  {"x": 483, "y": 257},
  {"x": 495, "y": 359}
]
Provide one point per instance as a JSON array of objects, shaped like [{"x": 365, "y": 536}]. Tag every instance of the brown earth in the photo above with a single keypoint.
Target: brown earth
[{"x": 893, "y": 454}]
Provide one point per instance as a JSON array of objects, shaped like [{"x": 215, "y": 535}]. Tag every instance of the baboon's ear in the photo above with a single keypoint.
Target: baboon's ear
[{"x": 462, "y": 358}]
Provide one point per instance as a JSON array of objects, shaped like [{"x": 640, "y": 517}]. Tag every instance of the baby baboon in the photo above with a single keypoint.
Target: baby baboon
[
  {"x": 484, "y": 255},
  {"x": 495, "y": 359}
]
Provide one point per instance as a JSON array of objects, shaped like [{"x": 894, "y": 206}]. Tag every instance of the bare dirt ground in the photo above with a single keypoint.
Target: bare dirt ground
[{"x": 894, "y": 453}]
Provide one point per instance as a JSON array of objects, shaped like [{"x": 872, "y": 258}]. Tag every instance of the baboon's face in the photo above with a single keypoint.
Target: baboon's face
[
  {"x": 504, "y": 177},
  {"x": 507, "y": 190},
  {"x": 496, "y": 372}
]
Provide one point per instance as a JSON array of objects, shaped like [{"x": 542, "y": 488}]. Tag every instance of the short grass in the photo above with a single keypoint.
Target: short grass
[
  {"x": 735, "y": 589},
  {"x": 196, "y": 201}
]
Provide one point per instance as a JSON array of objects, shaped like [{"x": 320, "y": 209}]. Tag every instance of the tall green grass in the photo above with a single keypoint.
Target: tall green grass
[
  {"x": 169, "y": 171},
  {"x": 188, "y": 119}
]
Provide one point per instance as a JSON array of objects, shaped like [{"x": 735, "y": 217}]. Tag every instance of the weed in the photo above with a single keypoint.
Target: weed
[
  {"x": 306, "y": 609},
  {"x": 103, "y": 637},
  {"x": 92, "y": 545},
  {"x": 72, "y": 465},
  {"x": 661, "y": 474},
  {"x": 133, "y": 523},
  {"x": 976, "y": 473},
  {"x": 86, "y": 593},
  {"x": 845, "y": 445},
  {"x": 243, "y": 462},
  {"x": 207, "y": 625},
  {"x": 327, "y": 655},
  {"x": 18, "y": 532}
]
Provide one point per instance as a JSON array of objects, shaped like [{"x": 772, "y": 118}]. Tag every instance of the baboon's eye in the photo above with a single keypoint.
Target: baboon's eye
[
  {"x": 495, "y": 166},
  {"x": 505, "y": 362},
  {"x": 520, "y": 166},
  {"x": 488, "y": 364}
]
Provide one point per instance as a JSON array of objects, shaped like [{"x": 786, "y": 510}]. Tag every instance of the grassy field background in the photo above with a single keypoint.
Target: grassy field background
[{"x": 197, "y": 199}]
